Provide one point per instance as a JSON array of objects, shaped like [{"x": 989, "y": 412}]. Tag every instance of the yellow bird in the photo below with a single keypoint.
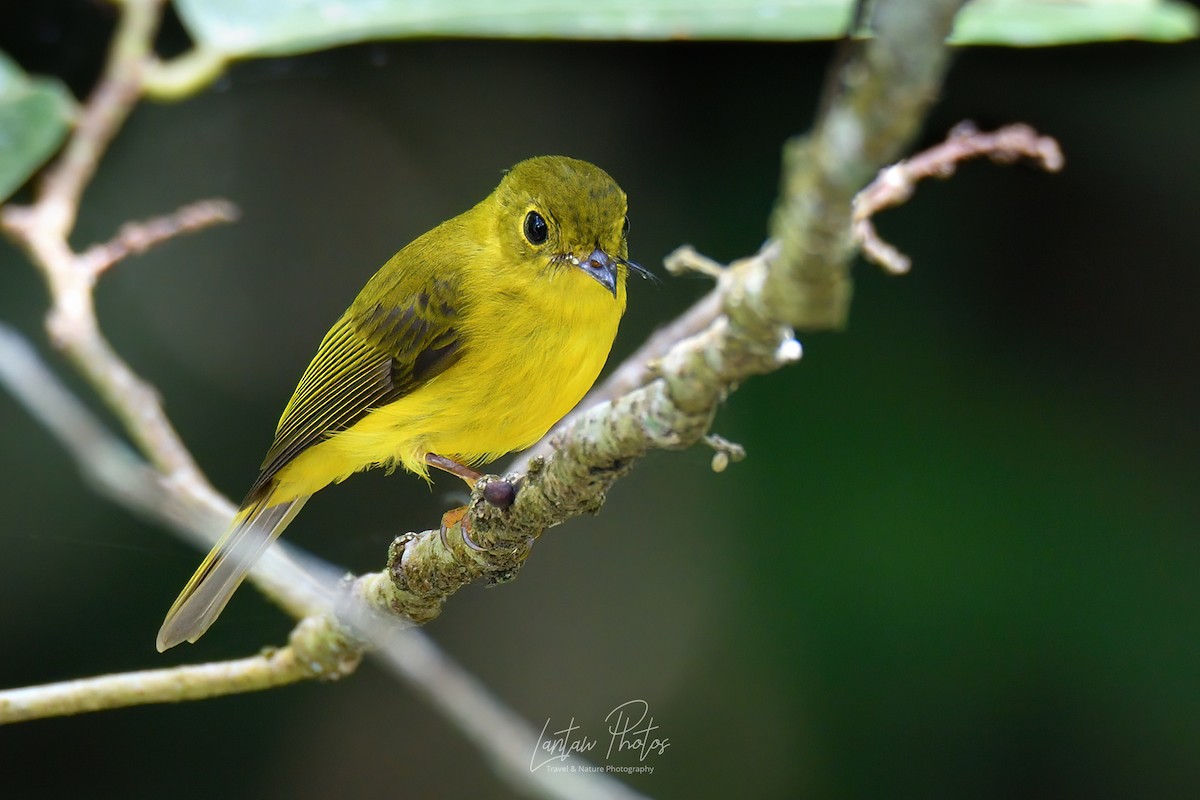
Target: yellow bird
[{"x": 469, "y": 343}]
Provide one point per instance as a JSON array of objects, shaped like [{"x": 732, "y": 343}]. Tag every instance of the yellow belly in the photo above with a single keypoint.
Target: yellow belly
[{"x": 509, "y": 388}]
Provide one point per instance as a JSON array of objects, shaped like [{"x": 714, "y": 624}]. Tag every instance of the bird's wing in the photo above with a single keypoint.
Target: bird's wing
[{"x": 375, "y": 354}]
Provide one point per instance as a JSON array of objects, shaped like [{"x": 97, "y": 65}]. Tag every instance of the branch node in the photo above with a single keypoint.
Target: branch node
[
  {"x": 894, "y": 185},
  {"x": 324, "y": 649}
]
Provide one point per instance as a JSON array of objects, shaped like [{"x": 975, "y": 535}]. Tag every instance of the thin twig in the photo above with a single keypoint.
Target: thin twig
[
  {"x": 109, "y": 464},
  {"x": 115, "y": 95},
  {"x": 135, "y": 238},
  {"x": 268, "y": 670},
  {"x": 896, "y": 184}
]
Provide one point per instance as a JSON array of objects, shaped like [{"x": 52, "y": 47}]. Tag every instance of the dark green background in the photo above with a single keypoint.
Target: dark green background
[{"x": 961, "y": 560}]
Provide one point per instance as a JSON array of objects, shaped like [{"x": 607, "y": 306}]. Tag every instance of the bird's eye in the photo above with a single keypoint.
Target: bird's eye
[
  {"x": 536, "y": 229},
  {"x": 625, "y": 227}
]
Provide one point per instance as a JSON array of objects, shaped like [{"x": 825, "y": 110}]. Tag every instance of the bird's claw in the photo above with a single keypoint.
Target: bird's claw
[{"x": 458, "y": 516}]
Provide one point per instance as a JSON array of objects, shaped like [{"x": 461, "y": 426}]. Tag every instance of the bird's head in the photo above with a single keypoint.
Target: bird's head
[{"x": 561, "y": 216}]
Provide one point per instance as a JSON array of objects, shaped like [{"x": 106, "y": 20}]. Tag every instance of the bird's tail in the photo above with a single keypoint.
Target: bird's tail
[{"x": 258, "y": 523}]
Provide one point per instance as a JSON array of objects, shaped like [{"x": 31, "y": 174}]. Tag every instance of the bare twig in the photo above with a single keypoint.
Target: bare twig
[
  {"x": 896, "y": 184},
  {"x": 306, "y": 657},
  {"x": 137, "y": 237},
  {"x": 108, "y": 463},
  {"x": 687, "y": 259},
  {"x": 115, "y": 95}
]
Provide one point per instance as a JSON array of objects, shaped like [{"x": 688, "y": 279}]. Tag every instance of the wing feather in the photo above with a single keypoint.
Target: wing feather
[{"x": 374, "y": 355}]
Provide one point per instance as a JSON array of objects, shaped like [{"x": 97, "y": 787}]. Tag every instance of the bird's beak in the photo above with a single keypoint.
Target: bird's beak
[{"x": 601, "y": 267}]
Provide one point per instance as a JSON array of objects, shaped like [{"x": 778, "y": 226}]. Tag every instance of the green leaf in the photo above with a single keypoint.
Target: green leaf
[
  {"x": 35, "y": 114},
  {"x": 276, "y": 27},
  {"x": 1035, "y": 23},
  {"x": 240, "y": 28}
]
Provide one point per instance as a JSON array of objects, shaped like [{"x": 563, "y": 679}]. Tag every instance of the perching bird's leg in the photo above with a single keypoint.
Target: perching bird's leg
[
  {"x": 499, "y": 493},
  {"x": 453, "y": 467},
  {"x": 455, "y": 516}
]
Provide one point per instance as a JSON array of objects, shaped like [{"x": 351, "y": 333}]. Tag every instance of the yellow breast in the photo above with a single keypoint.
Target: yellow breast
[{"x": 528, "y": 359}]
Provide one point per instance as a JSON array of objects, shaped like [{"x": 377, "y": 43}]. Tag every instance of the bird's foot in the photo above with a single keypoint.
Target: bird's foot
[{"x": 458, "y": 516}]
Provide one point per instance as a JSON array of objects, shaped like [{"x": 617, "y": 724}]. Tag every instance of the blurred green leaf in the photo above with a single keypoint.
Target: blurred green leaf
[
  {"x": 1036, "y": 23},
  {"x": 278, "y": 27},
  {"x": 35, "y": 114},
  {"x": 274, "y": 27}
]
